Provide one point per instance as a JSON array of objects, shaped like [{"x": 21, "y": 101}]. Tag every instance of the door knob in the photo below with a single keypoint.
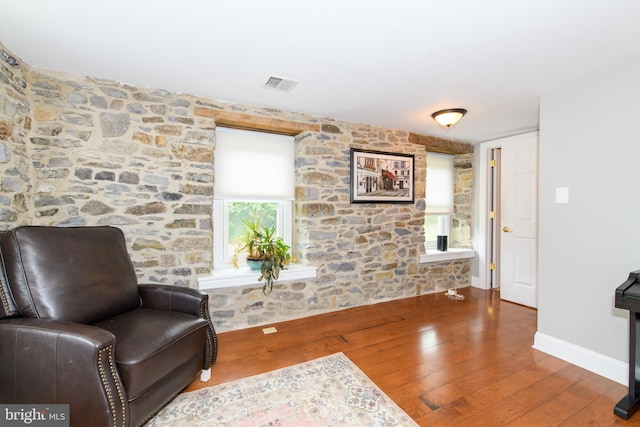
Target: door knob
[{"x": 506, "y": 229}]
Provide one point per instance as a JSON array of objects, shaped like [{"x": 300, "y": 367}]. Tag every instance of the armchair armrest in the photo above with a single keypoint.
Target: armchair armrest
[
  {"x": 184, "y": 300},
  {"x": 47, "y": 361},
  {"x": 173, "y": 298}
]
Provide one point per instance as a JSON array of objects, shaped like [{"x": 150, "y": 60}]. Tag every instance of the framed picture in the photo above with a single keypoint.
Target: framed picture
[{"x": 379, "y": 177}]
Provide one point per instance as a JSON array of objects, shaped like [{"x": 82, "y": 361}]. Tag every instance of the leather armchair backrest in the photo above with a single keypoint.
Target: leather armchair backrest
[{"x": 74, "y": 274}]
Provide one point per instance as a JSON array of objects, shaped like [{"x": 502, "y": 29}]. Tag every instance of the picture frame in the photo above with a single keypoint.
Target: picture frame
[{"x": 381, "y": 177}]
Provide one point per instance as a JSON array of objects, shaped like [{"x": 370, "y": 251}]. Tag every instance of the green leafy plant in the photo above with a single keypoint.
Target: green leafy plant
[{"x": 263, "y": 246}]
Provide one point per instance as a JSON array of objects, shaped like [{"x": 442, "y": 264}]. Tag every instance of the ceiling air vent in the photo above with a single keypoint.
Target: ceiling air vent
[{"x": 280, "y": 83}]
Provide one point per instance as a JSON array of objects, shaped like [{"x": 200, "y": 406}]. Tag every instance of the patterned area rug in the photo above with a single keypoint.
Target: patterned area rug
[{"x": 330, "y": 391}]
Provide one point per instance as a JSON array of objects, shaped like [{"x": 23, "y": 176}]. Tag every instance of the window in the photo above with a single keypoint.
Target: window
[
  {"x": 234, "y": 212},
  {"x": 434, "y": 226},
  {"x": 254, "y": 172},
  {"x": 439, "y": 197}
]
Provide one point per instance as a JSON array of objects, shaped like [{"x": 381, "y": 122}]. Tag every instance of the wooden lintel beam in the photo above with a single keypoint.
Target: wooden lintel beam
[
  {"x": 441, "y": 145},
  {"x": 249, "y": 122}
]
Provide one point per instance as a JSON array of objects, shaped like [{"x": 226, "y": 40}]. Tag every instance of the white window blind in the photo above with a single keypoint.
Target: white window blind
[
  {"x": 440, "y": 177},
  {"x": 253, "y": 165}
]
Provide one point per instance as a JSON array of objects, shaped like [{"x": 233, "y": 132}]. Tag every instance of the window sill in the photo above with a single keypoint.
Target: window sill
[
  {"x": 451, "y": 254},
  {"x": 231, "y": 277}
]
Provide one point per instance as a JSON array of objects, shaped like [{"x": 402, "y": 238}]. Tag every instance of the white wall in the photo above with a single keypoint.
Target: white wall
[{"x": 590, "y": 143}]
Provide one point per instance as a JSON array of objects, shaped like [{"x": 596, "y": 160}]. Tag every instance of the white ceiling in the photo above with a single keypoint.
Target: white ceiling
[{"x": 386, "y": 63}]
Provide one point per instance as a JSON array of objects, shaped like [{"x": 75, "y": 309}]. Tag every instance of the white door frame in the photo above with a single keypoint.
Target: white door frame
[{"x": 482, "y": 244}]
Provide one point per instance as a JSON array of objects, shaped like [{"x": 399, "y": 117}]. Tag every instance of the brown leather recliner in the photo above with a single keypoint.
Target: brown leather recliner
[{"x": 76, "y": 328}]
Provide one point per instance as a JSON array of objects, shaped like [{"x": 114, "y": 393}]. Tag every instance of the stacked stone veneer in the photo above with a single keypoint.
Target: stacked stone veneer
[
  {"x": 460, "y": 233},
  {"x": 78, "y": 151}
]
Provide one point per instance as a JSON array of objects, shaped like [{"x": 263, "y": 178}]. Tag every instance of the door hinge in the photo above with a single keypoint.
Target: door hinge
[
  {"x": 492, "y": 214},
  {"x": 492, "y": 266},
  {"x": 492, "y": 163}
]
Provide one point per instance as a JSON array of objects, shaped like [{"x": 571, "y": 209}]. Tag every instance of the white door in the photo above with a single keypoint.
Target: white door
[{"x": 519, "y": 220}]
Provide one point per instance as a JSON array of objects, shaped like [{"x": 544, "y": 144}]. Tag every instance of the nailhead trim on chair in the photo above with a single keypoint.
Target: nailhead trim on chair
[
  {"x": 114, "y": 375},
  {"x": 3, "y": 283},
  {"x": 5, "y": 301},
  {"x": 107, "y": 388},
  {"x": 105, "y": 385},
  {"x": 212, "y": 340}
]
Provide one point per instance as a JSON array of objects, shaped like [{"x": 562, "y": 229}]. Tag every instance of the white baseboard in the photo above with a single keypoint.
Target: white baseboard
[
  {"x": 597, "y": 363},
  {"x": 476, "y": 283}
]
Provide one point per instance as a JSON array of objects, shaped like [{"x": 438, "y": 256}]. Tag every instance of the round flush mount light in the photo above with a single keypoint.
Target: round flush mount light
[{"x": 449, "y": 118}]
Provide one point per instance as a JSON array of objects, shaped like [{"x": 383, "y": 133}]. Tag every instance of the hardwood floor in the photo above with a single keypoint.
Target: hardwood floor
[{"x": 444, "y": 361}]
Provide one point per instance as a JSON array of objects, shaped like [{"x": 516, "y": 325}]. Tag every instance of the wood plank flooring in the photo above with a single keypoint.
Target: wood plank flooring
[{"x": 443, "y": 361}]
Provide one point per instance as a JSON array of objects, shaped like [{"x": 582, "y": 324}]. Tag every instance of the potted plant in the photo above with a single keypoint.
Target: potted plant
[{"x": 265, "y": 251}]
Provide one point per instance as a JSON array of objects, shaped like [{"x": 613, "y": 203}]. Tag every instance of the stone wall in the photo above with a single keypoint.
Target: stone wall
[
  {"x": 101, "y": 153},
  {"x": 81, "y": 151},
  {"x": 365, "y": 253},
  {"x": 460, "y": 233},
  {"x": 15, "y": 122}
]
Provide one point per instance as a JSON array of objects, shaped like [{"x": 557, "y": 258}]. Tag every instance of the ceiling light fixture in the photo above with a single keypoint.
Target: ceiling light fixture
[{"x": 449, "y": 118}]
